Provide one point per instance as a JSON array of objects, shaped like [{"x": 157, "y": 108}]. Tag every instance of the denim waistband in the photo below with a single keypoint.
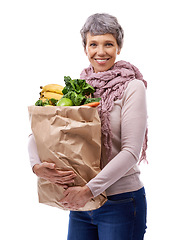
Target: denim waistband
[{"x": 126, "y": 194}]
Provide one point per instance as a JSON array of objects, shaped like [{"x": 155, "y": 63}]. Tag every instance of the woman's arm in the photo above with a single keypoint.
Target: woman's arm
[
  {"x": 47, "y": 170},
  {"x": 32, "y": 151},
  {"x": 133, "y": 127}
]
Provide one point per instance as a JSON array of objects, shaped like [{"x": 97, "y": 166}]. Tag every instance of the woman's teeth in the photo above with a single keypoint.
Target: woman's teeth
[{"x": 101, "y": 60}]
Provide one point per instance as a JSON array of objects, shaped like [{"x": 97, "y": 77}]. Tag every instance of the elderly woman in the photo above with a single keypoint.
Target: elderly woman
[{"x": 124, "y": 133}]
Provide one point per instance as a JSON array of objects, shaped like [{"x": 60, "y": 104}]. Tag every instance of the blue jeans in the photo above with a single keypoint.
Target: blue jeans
[{"x": 122, "y": 217}]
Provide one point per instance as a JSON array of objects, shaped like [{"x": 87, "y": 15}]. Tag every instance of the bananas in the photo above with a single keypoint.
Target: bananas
[
  {"x": 50, "y": 94},
  {"x": 55, "y": 88},
  {"x": 51, "y": 91}
]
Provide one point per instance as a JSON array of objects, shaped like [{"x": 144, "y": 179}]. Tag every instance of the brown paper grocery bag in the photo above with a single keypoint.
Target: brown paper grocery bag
[{"x": 70, "y": 137}]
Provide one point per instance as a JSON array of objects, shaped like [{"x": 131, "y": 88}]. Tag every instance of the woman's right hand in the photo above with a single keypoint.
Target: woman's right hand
[{"x": 49, "y": 172}]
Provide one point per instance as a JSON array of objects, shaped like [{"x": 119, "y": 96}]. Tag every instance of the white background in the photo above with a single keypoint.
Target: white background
[{"x": 40, "y": 43}]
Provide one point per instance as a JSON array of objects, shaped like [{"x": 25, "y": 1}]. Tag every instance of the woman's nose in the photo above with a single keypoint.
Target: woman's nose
[{"x": 101, "y": 51}]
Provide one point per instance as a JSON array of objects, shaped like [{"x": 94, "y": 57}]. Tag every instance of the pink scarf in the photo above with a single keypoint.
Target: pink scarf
[{"x": 110, "y": 86}]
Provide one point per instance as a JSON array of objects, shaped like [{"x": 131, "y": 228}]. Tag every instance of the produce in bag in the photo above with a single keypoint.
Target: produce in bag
[
  {"x": 77, "y": 90},
  {"x": 70, "y": 137}
]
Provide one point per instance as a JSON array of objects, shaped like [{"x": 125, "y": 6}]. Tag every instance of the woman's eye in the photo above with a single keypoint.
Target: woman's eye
[
  {"x": 109, "y": 44},
  {"x": 93, "y": 44}
]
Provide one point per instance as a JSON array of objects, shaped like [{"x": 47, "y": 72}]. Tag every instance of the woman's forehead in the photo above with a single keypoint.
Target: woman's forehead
[{"x": 103, "y": 37}]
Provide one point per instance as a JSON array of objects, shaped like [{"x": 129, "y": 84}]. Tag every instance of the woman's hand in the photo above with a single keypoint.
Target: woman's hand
[
  {"x": 49, "y": 172},
  {"x": 76, "y": 197}
]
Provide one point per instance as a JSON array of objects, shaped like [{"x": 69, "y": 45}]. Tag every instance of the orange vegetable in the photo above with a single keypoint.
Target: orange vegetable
[{"x": 92, "y": 104}]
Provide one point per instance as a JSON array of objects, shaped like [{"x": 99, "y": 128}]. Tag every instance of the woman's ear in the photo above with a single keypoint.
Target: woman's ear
[
  {"x": 85, "y": 51},
  {"x": 118, "y": 51}
]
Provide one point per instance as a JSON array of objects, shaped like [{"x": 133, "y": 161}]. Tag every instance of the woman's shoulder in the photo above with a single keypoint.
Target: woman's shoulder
[
  {"x": 133, "y": 92},
  {"x": 135, "y": 87},
  {"x": 136, "y": 84}
]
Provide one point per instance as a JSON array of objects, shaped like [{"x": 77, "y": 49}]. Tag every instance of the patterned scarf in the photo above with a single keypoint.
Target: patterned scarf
[{"x": 110, "y": 86}]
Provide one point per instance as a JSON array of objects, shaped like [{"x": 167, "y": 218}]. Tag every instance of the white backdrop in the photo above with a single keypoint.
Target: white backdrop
[{"x": 40, "y": 43}]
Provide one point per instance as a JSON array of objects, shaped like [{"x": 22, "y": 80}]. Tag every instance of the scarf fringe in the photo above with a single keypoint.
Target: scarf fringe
[{"x": 144, "y": 148}]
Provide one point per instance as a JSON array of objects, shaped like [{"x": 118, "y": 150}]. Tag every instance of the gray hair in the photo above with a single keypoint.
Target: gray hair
[{"x": 100, "y": 24}]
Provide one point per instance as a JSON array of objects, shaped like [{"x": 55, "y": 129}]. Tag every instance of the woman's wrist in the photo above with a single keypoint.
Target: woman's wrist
[
  {"x": 88, "y": 192},
  {"x": 35, "y": 167}
]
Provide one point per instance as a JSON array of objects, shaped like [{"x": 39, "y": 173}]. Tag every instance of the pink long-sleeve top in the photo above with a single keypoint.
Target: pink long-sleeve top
[{"x": 128, "y": 123}]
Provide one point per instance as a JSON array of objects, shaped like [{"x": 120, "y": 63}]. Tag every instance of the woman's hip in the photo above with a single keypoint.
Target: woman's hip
[{"x": 122, "y": 216}]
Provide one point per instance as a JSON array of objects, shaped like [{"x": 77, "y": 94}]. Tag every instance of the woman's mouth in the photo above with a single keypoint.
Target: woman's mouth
[{"x": 101, "y": 61}]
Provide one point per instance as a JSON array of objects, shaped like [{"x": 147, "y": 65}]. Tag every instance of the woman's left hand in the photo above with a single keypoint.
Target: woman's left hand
[{"x": 76, "y": 197}]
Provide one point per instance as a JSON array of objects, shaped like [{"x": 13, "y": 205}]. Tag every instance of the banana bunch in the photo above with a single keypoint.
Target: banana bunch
[{"x": 51, "y": 91}]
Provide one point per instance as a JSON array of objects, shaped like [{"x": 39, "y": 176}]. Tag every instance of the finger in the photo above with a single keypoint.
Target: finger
[
  {"x": 70, "y": 206},
  {"x": 65, "y": 183},
  {"x": 48, "y": 165},
  {"x": 67, "y": 199},
  {"x": 66, "y": 178},
  {"x": 68, "y": 191},
  {"x": 62, "y": 185},
  {"x": 63, "y": 201},
  {"x": 75, "y": 207},
  {"x": 65, "y": 173}
]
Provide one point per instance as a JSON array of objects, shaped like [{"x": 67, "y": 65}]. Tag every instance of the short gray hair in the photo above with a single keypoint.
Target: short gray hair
[{"x": 100, "y": 24}]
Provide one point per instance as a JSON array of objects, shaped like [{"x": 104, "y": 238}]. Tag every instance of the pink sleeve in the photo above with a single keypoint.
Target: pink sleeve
[
  {"x": 133, "y": 127},
  {"x": 32, "y": 151}
]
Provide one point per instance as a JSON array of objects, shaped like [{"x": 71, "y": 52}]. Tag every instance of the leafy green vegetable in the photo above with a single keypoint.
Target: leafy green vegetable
[
  {"x": 38, "y": 103},
  {"x": 77, "y": 85},
  {"x": 77, "y": 99},
  {"x": 77, "y": 90},
  {"x": 51, "y": 101},
  {"x": 41, "y": 103},
  {"x": 90, "y": 100}
]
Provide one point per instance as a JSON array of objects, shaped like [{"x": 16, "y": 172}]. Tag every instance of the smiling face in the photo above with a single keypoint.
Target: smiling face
[{"x": 101, "y": 51}]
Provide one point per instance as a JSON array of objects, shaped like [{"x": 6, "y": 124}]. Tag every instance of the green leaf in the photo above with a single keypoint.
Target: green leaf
[
  {"x": 77, "y": 85},
  {"x": 68, "y": 85},
  {"x": 77, "y": 90},
  {"x": 46, "y": 102},
  {"x": 38, "y": 103},
  {"x": 41, "y": 103},
  {"x": 77, "y": 99},
  {"x": 90, "y": 100},
  {"x": 53, "y": 101}
]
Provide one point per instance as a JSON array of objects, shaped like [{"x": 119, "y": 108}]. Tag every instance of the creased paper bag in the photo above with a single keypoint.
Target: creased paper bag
[{"x": 70, "y": 137}]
